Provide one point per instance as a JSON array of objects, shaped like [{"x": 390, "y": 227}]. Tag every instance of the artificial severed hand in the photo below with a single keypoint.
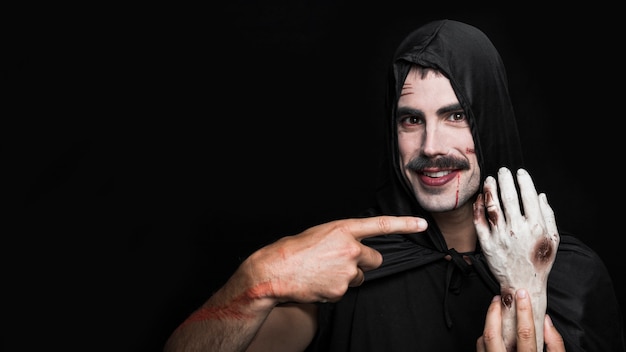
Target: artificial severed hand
[{"x": 519, "y": 244}]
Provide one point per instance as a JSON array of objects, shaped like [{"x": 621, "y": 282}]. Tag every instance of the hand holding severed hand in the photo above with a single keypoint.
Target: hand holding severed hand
[{"x": 519, "y": 243}]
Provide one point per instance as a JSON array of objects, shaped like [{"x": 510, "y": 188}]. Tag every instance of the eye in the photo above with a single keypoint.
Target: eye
[
  {"x": 410, "y": 120},
  {"x": 457, "y": 116}
]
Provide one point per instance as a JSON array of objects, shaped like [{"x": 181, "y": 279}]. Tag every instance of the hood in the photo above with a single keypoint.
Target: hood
[
  {"x": 474, "y": 67},
  {"x": 467, "y": 57}
]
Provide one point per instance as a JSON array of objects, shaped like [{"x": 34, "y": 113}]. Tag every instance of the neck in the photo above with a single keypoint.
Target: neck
[{"x": 457, "y": 227}]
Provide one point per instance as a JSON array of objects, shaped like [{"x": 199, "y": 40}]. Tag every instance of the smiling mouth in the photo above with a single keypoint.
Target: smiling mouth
[
  {"x": 436, "y": 174},
  {"x": 437, "y": 178}
]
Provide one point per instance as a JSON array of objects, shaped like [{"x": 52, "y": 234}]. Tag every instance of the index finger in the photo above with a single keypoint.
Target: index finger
[
  {"x": 385, "y": 225},
  {"x": 491, "y": 340},
  {"x": 526, "y": 336}
]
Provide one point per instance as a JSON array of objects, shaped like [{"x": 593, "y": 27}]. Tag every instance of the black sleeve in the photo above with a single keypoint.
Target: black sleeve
[{"x": 582, "y": 300}]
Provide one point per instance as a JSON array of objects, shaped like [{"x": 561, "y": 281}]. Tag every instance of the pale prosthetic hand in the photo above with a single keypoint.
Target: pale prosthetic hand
[{"x": 520, "y": 245}]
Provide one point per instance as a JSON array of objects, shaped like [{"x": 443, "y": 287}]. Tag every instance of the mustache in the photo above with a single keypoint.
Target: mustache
[{"x": 420, "y": 163}]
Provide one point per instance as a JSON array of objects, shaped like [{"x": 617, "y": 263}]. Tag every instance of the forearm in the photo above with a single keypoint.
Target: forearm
[
  {"x": 318, "y": 264},
  {"x": 230, "y": 319},
  {"x": 538, "y": 298},
  {"x": 210, "y": 335}
]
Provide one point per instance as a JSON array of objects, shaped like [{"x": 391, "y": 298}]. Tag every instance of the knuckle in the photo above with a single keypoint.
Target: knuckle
[
  {"x": 353, "y": 250},
  {"x": 508, "y": 198},
  {"x": 352, "y": 272},
  {"x": 384, "y": 224},
  {"x": 337, "y": 291},
  {"x": 490, "y": 335},
  {"x": 525, "y": 333}
]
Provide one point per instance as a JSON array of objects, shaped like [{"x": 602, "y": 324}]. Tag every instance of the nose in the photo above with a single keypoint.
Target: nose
[{"x": 435, "y": 141}]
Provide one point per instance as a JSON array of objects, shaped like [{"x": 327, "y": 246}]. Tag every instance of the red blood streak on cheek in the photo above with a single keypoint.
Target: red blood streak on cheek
[
  {"x": 458, "y": 179},
  {"x": 233, "y": 309},
  {"x": 458, "y": 186}
]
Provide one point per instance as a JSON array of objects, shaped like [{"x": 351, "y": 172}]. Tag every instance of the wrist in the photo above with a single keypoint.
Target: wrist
[
  {"x": 536, "y": 291},
  {"x": 256, "y": 276},
  {"x": 507, "y": 294}
]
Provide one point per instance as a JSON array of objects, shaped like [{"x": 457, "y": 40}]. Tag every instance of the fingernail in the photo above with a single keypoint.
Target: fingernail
[
  {"x": 549, "y": 320},
  {"x": 521, "y": 293},
  {"x": 495, "y": 298}
]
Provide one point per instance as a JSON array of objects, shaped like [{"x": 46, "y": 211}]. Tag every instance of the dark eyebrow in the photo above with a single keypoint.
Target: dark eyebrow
[
  {"x": 449, "y": 108},
  {"x": 402, "y": 111},
  {"x": 409, "y": 111}
]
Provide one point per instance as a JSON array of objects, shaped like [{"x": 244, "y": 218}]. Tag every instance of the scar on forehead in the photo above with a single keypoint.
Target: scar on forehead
[
  {"x": 470, "y": 150},
  {"x": 404, "y": 87}
]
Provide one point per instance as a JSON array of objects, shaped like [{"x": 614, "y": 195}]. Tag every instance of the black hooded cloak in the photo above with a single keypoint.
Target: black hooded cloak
[{"x": 419, "y": 301}]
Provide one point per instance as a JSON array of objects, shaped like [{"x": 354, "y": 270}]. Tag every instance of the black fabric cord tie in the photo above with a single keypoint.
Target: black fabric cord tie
[{"x": 454, "y": 280}]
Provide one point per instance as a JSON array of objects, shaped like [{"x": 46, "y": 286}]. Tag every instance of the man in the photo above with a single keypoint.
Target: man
[{"x": 411, "y": 274}]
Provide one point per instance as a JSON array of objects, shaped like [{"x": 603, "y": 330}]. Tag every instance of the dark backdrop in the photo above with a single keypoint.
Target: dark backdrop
[{"x": 151, "y": 149}]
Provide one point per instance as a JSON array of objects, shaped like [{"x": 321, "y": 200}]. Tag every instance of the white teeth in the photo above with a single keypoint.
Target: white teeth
[{"x": 436, "y": 174}]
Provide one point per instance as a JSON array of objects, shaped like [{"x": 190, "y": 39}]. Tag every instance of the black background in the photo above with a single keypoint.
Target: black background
[{"x": 150, "y": 149}]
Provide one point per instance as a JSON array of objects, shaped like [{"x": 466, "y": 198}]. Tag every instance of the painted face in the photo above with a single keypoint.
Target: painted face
[{"x": 435, "y": 143}]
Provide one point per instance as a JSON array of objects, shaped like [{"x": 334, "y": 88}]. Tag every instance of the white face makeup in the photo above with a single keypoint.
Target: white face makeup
[{"x": 435, "y": 143}]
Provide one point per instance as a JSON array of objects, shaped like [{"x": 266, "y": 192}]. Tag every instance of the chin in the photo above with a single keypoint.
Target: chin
[{"x": 438, "y": 208}]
